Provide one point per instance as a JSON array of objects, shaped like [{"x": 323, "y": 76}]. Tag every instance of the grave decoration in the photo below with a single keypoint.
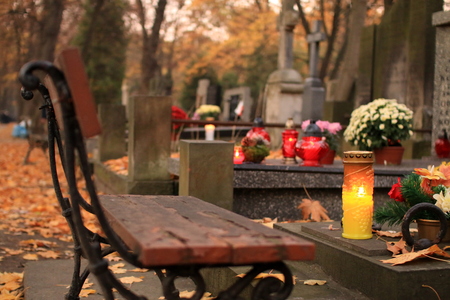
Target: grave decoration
[
  {"x": 238, "y": 156},
  {"x": 312, "y": 147},
  {"x": 206, "y": 111},
  {"x": 255, "y": 144},
  {"x": 442, "y": 145},
  {"x": 378, "y": 125},
  {"x": 357, "y": 195},
  {"x": 330, "y": 134},
  {"x": 430, "y": 185},
  {"x": 289, "y": 139}
]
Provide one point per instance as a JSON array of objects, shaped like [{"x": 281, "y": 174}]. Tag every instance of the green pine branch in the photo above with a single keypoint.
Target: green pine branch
[{"x": 391, "y": 213}]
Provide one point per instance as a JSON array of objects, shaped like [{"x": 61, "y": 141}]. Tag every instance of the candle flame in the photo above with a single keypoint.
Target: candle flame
[{"x": 361, "y": 191}]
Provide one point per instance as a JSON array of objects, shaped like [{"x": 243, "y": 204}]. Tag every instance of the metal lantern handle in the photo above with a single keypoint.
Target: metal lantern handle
[{"x": 423, "y": 243}]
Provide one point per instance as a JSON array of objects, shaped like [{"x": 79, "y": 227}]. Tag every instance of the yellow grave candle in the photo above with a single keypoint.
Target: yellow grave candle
[{"x": 357, "y": 195}]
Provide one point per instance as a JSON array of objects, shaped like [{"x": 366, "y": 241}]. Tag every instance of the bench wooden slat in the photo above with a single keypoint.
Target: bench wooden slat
[{"x": 173, "y": 230}]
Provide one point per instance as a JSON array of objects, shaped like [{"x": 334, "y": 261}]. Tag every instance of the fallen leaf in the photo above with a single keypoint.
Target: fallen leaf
[
  {"x": 407, "y": 257},
  {"x": 49, "y": 254},
  {"x": 393, "y": 234},
  {"x": 130, "y": 279},
  {"x": 13, "y": 251},
  {"x": 397, "y": 247},
  {"x": 332, "y": 228},
  {"x": 118, "y": 268},
  {"x": 84, "y": 293},
  {"x": 30, "y": 256},
  {"x": 312, "y": 209},
  {"x": 265, "y": 275},
  {"x": 314, "y": 282},
  {"x": 139, "y": 270}
]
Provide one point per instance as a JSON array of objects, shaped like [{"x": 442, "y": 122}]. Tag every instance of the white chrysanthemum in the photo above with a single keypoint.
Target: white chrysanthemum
[
  {"x": 443, "y": 201},
  {"x": 382, "y": 126},
  {"x": 400, "y": 126}
]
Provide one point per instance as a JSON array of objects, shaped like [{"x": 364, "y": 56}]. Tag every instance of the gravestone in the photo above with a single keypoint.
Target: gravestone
[
  {"x": 441, "y": 100},
  {"x": 202, "y": 92},
  {"x": 314, "y": 93},
  {"x": 113, "y": 121},
  {"x": 233, "y": 99},
  {"x": 213, "y": 159},
  {"x": 401, "y": 49},
  {"x": 284, "y": 88}
]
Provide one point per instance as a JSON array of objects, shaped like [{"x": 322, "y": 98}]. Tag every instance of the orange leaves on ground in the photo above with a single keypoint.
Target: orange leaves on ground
[
  {"x": 119, "y": 166},
  {"x": 312, "y": 209},
  {"x": 407, "y": 257},
  {"x": 28, "y": 203},
  {"x": 10, "y": 284}
]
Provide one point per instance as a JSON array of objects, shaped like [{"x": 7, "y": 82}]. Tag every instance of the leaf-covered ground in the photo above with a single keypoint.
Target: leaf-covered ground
[{"x": 31, "y": 225}]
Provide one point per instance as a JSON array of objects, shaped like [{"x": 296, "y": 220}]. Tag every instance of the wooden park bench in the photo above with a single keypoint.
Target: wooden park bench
[{"x": 176, "y": 236}]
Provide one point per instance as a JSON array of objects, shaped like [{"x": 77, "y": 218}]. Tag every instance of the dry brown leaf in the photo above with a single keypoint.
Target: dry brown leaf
[
  {"x": 30, "y": 256},
  {"x": 393, "y": 234},
  {"x": 397, "y": 247},
  {"x": 130, "y": 279},
  {"x": 13, "y": 251},
  {"x": 139, "y": 270},
  {"x": 84, "y": 293},
  {"x": 312, "y": 209},
  {"x": 314, "y": 282},
  {"x": 407, "y": 257},
  {"x": 265, "y": 275},
  {"x": 49, "y": 254},
  {"x": 118, "y": 268}
]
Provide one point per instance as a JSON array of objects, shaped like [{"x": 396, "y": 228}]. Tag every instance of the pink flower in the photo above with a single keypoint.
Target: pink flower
[
  {"x": 305, "y": 124},
  {"x": 333, "y": 128},
  {"x": 322, "y": 124}
]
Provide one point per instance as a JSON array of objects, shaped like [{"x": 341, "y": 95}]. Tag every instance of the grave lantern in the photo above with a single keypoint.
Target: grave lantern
[
  {"x": 357, "y": 195},
  {"x": 311, "y": 148},
  {"x": 238, "y": 156},
  {"x": 258, "y": 128},
  {"x": 289, "y": 138},
  {"x": 209, "y": 132}
]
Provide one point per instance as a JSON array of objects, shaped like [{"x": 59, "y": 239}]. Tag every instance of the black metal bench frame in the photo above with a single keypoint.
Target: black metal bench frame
[{"x": 72, "y": 152}]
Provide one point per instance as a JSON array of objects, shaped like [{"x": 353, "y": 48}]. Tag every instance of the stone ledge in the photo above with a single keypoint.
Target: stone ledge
[{"x": 349, "y": 266}]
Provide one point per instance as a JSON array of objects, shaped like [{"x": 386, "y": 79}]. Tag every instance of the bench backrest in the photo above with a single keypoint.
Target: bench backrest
[{"x": 71, "y": 64}]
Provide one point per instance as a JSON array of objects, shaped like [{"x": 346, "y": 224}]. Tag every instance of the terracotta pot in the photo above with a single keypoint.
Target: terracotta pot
[
  {"x": 389, "y": 155},
  {"x": 328, "y": 159},
  {"x": 428, "y": 229}
]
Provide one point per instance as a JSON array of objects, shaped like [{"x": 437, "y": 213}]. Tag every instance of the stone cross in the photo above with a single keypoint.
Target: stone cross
[
  {"x": 286, "y": 23},
  {"x": 313, "y": 40}
]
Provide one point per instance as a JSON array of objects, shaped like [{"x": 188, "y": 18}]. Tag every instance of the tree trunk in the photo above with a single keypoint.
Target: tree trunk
[
  {"x": 50, "y": 22},
  {"x": 331, "y": 38},
  {"x": 149, "y": 64},
  {"x": 349, "y": 67}
]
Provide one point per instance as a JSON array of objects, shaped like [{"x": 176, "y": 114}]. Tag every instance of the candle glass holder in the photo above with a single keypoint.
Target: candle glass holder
[
  {"x": 357, "y": 195},
  {"x": 238, "y": 156}
]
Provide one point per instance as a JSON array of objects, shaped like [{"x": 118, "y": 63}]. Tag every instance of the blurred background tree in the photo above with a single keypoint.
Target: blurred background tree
[{"x": 163, "y": 47}]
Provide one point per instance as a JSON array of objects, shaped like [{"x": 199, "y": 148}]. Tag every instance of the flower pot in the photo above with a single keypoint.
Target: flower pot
[
  {"x": 428, "y": 229},
  {"x": 328, "y": 159},
  {"x": 389, "y": 155}
]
